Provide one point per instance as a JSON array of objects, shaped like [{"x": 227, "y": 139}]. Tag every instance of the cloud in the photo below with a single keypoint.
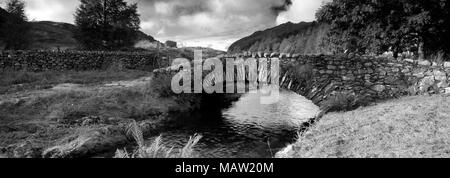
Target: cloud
[
  {"x": 300, "y": 10},
  {"x": 215, "y": 23},
  {"x": 199, "y": 22},
  {"x": 55, "y": 10}
]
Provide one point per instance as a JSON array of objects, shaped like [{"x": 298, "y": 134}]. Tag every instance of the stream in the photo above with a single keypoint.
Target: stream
[{"x": 247, "y": 129}]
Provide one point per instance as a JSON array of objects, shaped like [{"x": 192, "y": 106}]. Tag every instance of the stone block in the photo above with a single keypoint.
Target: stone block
[
  {"x": 447, "y": 64},
  {"x": 425, "y": 63},
  {"x": 379, "y": 88}
]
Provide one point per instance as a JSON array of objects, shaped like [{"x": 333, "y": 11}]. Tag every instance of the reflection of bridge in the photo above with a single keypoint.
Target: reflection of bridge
[{"x": 319, "y": 77}]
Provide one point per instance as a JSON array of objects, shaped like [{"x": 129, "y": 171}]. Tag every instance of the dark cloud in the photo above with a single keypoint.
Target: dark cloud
[{"x": 282, "y": 8}]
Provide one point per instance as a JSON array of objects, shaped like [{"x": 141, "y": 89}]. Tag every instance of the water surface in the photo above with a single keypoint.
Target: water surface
[{"x": 247, "y": 129}]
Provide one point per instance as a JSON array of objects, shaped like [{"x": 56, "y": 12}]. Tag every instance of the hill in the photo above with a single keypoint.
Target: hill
[
  {"x": 302, "y": 38},
  {"x": 206, "y": 52},
  {"x": 51, "y": 35}
]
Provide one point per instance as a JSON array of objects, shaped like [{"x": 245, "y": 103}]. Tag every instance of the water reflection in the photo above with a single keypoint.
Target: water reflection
[{"x": 248, "y": 129}]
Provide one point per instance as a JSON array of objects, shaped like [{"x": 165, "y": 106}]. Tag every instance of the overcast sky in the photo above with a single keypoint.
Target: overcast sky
[{"x": 207, "y": 23}]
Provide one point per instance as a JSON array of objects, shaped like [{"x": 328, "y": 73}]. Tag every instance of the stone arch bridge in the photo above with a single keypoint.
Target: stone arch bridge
[{"x": 365, "y": 77}]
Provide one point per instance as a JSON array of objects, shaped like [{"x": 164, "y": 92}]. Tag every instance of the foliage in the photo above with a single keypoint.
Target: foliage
[
  {"x": 15, "y": 28},
  {"x": 106, "y": 24},
  {"x": 301, "y": 38},
  {"x": 379, "y": 25},
  {"x": 156, "y": 149}
]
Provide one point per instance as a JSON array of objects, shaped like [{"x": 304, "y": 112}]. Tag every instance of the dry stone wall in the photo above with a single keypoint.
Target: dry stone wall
[{"x": 78, "y": 60}]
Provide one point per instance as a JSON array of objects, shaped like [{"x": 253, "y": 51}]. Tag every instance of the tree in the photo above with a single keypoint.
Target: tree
[
  {"x": 379, "y": 25},
  {"x": 106, "y": 24},
  {"x": 15, "y": 28}
]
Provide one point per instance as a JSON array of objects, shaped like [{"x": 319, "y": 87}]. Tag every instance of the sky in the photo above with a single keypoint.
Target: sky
[{"x": 206, "y": 23}]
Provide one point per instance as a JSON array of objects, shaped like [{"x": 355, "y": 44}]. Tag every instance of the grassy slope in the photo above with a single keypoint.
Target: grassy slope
[{"x": 416, "y": 126}]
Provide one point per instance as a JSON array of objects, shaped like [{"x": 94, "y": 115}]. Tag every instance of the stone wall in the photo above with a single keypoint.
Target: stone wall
[
  {"x": 78, "y": 60},
  {"x": 367, "y": 77}
]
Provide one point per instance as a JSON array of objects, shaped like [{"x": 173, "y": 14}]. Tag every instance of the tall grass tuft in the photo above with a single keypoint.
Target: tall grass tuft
[
  {"x": 438, "y": 58},
  {"x": 156, "y": 149}
]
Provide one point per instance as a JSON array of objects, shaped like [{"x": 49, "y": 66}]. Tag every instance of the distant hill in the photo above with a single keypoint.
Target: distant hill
[
  {"x": 53, "y": 35},
  {"x": 206, "y": 52},
  {"x": 301, "y": 38}
]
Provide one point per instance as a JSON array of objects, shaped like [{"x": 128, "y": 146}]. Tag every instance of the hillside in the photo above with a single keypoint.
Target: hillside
[
  {"x": 51, "y": 35},
  {"x": 206, "y": 52},
  {"x": 302, "y": 38}
]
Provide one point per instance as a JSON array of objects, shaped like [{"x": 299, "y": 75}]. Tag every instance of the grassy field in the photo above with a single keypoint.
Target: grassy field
[
  {"x": 50, "y": 116},
  {"x": 17, "y": 81},
  {"x": 417, "y": 126}
]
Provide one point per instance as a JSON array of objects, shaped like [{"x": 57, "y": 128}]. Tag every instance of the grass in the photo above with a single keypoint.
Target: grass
[
  {"x": 438, "y": 58},
  {"x": 417, "y": 126},
  {"x": 134, "y": 102},
  {"x": 62, "y": 110},
  {"x": 157, "y": 149},
  {"x": 16, "y": 81}
]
